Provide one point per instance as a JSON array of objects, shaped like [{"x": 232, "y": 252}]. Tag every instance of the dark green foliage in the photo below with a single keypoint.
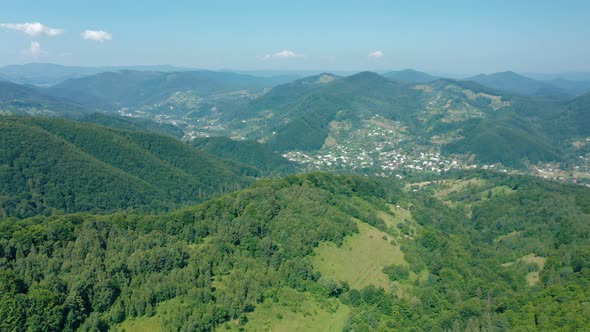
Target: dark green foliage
[
  {"x": 223, "y": 258},
  {"x": 251, "y": 153},
  {"x": 495, "y": 142},
  {"x": 133, "y": 124},
  {"x": 25, "y": 100},
  {"x": 55, "y": 165},
  {"x": 396, "y": 272}
]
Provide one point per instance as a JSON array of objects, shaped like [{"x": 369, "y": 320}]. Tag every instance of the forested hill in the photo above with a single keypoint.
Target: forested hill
[
  {"x": 49, "y": 165},
  {"x": 26, "y": 100},
  {"x": 130, "y": 123},
  {"x": 129, "y": 88},
  {"x": 251, "y": 153},
  {"x": 312, "y": 252}
]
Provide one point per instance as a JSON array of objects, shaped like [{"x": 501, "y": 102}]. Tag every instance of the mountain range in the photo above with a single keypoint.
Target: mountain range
[
  {"x": 454, "y": 117},
  {"x": 552, "y": 85},
  {"x": 470, "y": 118},
  {"x": 46, "y": 74}
]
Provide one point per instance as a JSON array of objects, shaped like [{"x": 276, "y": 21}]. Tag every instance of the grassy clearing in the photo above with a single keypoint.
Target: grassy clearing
[
  {"x": 511, "y": 235},
  {"x": 400, "y": 213},
  {"x": 532, "y": 278},
  {"x": 361, "y": 258},
  {"x": 388, "y": 219},
  {"x": 467, "y": 193},
  {"x": 295, "y": 311},
  {"x": 457, "y": 185},
  {"x": 399, "y": 220},
  {"x": 142, "y": 324},
  {"x": 156, "y": 323}
]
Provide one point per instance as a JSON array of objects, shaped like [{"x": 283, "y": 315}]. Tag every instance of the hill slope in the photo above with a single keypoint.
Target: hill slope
[
  {"x": 56, "y": 165},
  {"x": 250, "y": 153},
  {"x": 47, "y": 74},
  {"x": 410, "y": 76},
  {"x": 127, "y": 88},
  {"x": 512, "y": 82},
  {"x": 129, "y": 123},
  {"x": 491, "y": 252},
  {"x": 25, "y": 100}
]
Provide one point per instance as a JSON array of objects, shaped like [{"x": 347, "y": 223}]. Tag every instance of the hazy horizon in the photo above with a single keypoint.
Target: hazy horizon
[{"x": 458, "y": 38}]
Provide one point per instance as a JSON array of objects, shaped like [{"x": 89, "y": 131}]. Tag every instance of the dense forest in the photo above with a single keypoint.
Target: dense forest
[
  {"x": 479, "y": 252},
  {"x": 52, "y": 165},
  {"x": 252, "y": 153}
]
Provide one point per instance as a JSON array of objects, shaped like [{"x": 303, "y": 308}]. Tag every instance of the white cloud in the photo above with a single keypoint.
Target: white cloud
[
  {"x": 285, "y": 54},
  {"x": 375, "y": 55},
  {"x": 97, "y": 35},
  {"x": 34, "y": 50},
  {"x": 33, "y": 29}
]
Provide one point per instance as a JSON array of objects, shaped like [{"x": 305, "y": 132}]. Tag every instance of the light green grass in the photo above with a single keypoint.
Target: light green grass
[
  {"x": 156, "y": 322},
  {"x": 458, "y": 185},
  {"x": 142, "y": 324},
  {"x": 295, "y": 311},
  {"x": 532, "y": 278},
  {"x": 361, "y": 258}
]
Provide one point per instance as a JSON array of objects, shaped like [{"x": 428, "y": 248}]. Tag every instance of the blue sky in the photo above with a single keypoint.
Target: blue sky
[{"x": 437, "y": 36}]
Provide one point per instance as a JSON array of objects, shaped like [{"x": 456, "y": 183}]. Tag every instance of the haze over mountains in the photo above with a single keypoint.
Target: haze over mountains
[
  {"x": 542, "y": 122},
  {"x": 560, "y": 84}
]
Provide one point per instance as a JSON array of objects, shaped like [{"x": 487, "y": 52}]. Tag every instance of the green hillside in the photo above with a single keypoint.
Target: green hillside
[
  {"x": 18, "y": 99},
  {"x": 410, "y": 76},
  {"x": 57, "y": 165},
  {"x": 514, "y": 83},
  {"x": 496, "y": 253},
  {"x": 133, "y": 124},
  {"x": 303, "y": 123},
  {"x": 495, "y": 142},
  {"x": 128, "y": 88},
  {"x": 251, "y": 153}
]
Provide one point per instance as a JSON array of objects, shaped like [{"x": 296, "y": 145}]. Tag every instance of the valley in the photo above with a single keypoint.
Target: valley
[{"x": 368, "y": 140}]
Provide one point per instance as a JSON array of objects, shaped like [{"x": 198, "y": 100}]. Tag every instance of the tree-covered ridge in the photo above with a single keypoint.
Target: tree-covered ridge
[
  {"x": 26, "y": 100},
  {"x": 130, "y": 88},
  {"x": 57, "y": 165},
  {"x": 251, "y": 153},
  {"x": 473, "y": 244},
  {"x": 133, "y": 124}
]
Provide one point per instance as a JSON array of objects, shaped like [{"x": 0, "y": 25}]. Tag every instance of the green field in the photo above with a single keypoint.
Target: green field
[
  {"x": 360, "y": 259},
  {"x": 532, "y": 278},
  {"x": 295, "y": 311},
  {"x": 142, "y": 324}
]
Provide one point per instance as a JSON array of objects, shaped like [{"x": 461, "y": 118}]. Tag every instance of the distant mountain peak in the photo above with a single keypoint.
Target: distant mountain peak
[
  {"x": 513, "y": 82},
  {"x": 409, "y": 75},
  {"x": 363, "y": 75}
]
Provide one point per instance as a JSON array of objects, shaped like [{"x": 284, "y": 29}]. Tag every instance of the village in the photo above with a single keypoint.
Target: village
[{"x": 380, "y": 148}]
